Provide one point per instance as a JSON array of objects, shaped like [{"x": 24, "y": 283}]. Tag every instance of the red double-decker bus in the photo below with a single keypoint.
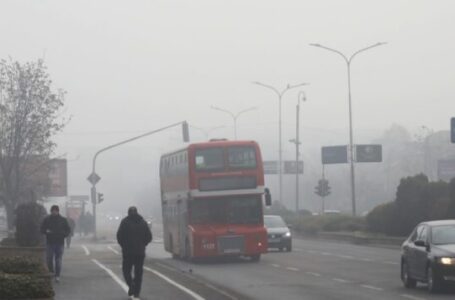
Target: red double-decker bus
[{"x": 211, "y": 197}]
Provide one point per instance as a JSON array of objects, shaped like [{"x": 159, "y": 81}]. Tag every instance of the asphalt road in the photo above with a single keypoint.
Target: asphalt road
[{"x": 314, "y": 270}]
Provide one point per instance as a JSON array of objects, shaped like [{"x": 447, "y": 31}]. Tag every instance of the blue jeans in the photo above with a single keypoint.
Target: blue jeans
[{"x": 54, "y": 253}]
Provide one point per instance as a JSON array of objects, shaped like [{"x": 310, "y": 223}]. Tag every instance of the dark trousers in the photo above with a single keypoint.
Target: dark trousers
[
  {"x": 134, "y": 284},
  {"x": 54, "y": 252}
]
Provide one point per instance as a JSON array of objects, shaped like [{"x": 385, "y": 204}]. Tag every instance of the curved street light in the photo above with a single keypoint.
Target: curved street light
[
  {"x": 348, "y": 61},
  {"x": 234, "y": 116},
  {"x": 280, "y": 95}
]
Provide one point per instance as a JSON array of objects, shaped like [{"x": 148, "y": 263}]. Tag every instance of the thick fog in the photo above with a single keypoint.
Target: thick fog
[{"x": 133, "y": 66}]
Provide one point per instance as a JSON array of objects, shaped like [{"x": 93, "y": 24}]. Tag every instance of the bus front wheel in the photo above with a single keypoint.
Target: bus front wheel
[{"x": 255, "y": 257}]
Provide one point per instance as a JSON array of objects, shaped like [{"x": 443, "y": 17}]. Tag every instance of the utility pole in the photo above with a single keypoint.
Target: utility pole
[{"x": 301, "y": 97}]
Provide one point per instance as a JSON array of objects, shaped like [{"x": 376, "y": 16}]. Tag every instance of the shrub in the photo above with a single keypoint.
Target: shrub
[
  {"x": 28, "y": 221},
  {"x": 21, "y": 265},
  {"x": 19, "y": 286},
  {"x": 314, "y": 224}
]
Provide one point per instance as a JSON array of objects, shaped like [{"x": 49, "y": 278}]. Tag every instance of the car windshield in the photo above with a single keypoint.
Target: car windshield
[
  {"x": 232, "y": 210},
  {"x": 443, "y": 235},
  {"x": 274, "y": 222}
]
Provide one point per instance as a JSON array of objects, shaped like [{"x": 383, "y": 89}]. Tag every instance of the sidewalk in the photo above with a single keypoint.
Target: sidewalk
[{"x": 81, "y": 278}]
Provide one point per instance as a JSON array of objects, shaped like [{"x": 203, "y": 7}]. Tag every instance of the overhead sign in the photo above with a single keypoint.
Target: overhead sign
[
  {"x": 270, "y": 167},
  {"x": 368, "y": 153},
  {"x": 93, "y": 178},
  {"x": 290, "y": 167},
  {"x": 334, "y": 155},
  {"x": 58, "y": 178},
  {"x": 446, "y": 169}
]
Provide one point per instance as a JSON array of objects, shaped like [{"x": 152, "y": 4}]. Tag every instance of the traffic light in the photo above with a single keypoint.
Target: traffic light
[
  {"x": 323, "y": 188},
  {"x": 100, "y": 198},
  {"x": 185, "y": 132},
  {"x": 452, "y": 130}
]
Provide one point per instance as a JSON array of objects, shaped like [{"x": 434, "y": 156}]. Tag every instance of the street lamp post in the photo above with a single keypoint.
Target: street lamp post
[
  {"x": 297, "y": 142},
  {"x": 234, "y": 116},
  {"x": 280, "y": 95},
  {"x": 348, "y": 61},
  {"x": 207, "y": 131}
]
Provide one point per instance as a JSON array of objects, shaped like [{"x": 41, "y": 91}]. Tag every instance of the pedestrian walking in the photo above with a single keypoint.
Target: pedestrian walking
[
  {"x": 133, "y": 236},
  {"x": 56, "y": 229},
  {"x": 72, "y": 225}
]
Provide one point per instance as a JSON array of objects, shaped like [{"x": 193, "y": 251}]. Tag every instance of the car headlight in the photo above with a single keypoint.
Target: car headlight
[
  {"x": 447, "y": 260},
  {"x": 287, "y": 234}
]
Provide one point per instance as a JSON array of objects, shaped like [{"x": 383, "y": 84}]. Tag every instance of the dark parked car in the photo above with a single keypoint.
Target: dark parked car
[
  {"x": 279, "y": 235},
  {"x": 428, "y": 255}
]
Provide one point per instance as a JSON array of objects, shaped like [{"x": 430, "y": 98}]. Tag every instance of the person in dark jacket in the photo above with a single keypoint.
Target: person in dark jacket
[
  {"x": 56, "y": 229},
  {"x": 133, "y": 236}
]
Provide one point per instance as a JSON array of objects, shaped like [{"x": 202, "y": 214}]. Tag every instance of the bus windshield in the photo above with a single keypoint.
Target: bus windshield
[
  {"x": 231, "y": 210},
  {"x": 210, "y": 159}
]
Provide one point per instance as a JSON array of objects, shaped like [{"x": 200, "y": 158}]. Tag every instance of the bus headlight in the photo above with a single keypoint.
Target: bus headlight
[
  {"x": 447, "y": 261},
  {"x": 287, "y": 234}
]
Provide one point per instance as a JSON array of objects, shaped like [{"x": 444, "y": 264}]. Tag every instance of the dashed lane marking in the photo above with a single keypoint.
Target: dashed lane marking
[
  {"x": 313, "y": 274},
  {"x": 411, "y": 297},
  {"x": 346, "y": 256},
  {"x": 87, "y": 252},
  {"x": 113, "y": 250},
  {"x": 275, "y": 265},
  {"x": 177, "y": 285},
  {"x": 292, "y": 269},
  {"x": 371, "y": 287},
  {"x": 112, "y": 274},
  {"x": 340, "y": 280},
  {"x": 390, "y": 263}
]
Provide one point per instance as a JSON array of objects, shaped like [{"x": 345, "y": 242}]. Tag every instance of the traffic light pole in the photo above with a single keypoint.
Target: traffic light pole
[
  {"x": 93, "y": 194},
  {"x": 323, "y": 197}
]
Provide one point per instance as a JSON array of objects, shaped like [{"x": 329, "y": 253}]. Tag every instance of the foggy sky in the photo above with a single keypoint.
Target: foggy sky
[{"x": 133, "y": 66}]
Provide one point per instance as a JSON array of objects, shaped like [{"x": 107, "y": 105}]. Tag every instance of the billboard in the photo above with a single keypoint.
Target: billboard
[
  {"x": 290, "y": 167},
  {"x": 368, "y": 153},
  {"x": 58, "y": 178},
  {"x": 334, "y": 154},
  {"x": 446, "y": 169}
]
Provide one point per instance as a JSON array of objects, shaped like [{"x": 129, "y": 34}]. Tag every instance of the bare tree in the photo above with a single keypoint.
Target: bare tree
[{"x": 29, "y": 118}]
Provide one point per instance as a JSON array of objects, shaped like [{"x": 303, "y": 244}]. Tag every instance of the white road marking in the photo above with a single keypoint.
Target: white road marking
[
  {"x": 411, "y": 297},
  {"x": 340, "y": 280},
  {"x": 113, "y": 250},
  {"x": 275, "y": 265},
  {"x": 292, "y": 269},
  {"x": 87, "y": 252},
  {"x": 346, "y": 256},
  {"x": 177, "y": 285},
  {"x": 390, "y": 263},
  {"x": 313, "y": 274},
  {"x": 365, "y": 259},
  {"x": 371, "y": 287},
  {"x": 326, "y": 253},
  {"x": 112, "y": 274}
]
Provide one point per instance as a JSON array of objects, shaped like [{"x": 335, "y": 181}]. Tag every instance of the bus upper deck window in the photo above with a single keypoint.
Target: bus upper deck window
[
  {"x": 210, "y": 159},
  {"x": 242, "y": 157}
]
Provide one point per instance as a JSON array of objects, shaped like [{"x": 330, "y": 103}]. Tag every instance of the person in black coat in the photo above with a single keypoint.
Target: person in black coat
[
  {"x": 133, "y": 236},
  {"x": 56, "y": 229}
]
